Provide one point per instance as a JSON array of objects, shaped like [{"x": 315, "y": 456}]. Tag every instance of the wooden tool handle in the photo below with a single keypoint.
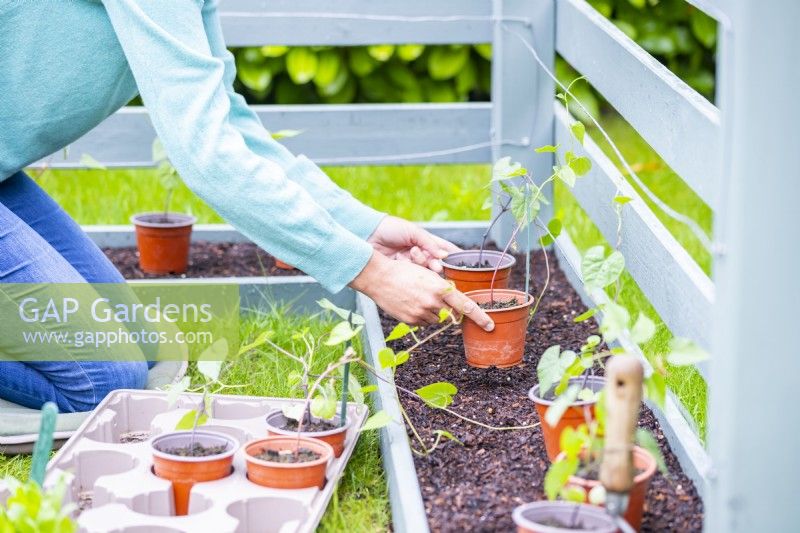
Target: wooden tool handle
[{"x": 623, "y": 396}]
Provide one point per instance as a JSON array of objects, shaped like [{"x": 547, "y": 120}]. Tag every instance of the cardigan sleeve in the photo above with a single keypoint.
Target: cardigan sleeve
[
  {"x": 349, "y": 212},
  {"x": 183, "y": 87}
]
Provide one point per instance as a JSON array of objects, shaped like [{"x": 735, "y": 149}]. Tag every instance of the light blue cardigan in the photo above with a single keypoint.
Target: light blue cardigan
[{"x": 65, "y": 65}]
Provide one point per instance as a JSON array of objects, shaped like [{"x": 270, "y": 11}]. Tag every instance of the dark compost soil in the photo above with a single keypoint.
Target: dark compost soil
[
  {"x": 313, "y": 426},
  {"x": 207, "y": 260},
  {"x": 476, "y": 486},
  {"x": 304, "y": 455},
  {"x": 497, "y": 304},
  {"x": 196, "y": 450}
]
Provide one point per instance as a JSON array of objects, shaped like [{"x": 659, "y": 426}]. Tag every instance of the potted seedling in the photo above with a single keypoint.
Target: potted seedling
[
  {"x": 190, "y": 455},
  {"x": 600, "y": 453},
  {"x": 569, "y": 381},
  {"x": 472, "y": 270},
  {"x": 319, "y": 419},
  {"x": 162, "y": 237},
  {"x": 307, "y": 435},
  {"x": 510, "y": 309},
  {"x": 288, "y": 462}
]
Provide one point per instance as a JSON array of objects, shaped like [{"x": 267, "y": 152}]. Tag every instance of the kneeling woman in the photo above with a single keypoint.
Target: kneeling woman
[{"x": 88, "y": 59}]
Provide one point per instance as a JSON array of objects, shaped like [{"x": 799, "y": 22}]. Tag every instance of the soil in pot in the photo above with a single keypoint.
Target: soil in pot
[
  {"x": 163, "y": 241},
  {"x": 185, "y": 459},
  {"x": 207, "y": 260},
  {"x": 548, "y": 517},
  {"x": 196, "y": 450},
  {"x": 476, "y": 486},
  {"x": 645, "y": 466},
  {"x": 312, "y": 426},
  {"x": 287, "y": 472},
  {"x": 303, "y": 455},
  {"x": 496, "y": 304},
  {"x": 574, "y": 416},
  {"x": 504, "y": 346},
  {"x": 324, "y": 430},
  {"x": 470, "y": 270}
]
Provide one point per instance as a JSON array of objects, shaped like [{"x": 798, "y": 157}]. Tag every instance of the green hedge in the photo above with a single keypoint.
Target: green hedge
[
  {"x": 675, "y": 32},
  {"x": 679, "y": 35},
  {"x": 379, "y": 73}
]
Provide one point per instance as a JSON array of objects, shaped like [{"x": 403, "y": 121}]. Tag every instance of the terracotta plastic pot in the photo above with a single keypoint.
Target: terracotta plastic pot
[
  {"x": 573, "y": 416},
  {"x": 287, "y": 475},
  {"x": 184, "y": 472},
  {"x": 276, "y": 422},
  {"x": 472, "y": 279},
  {"x": 504, "y": 346},
  {"x": 535, "y": 517},
  {"x": 642, "y": 460},
  {"x": 283, "y": 266},
  {"x": 163, "y": 242}
]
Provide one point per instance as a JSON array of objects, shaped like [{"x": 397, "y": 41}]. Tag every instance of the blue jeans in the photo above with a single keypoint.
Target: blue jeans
[{"x": 40, "y": 243}]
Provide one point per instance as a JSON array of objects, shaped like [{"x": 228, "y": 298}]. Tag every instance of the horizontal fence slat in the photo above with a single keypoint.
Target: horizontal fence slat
[
  {"x": 716, "y": 9},
  {"x": 681, "y": 125},
  {"x": 260, "y": 22},
  {"x": 675, "y": 285},
  {"x": 332, "y": 134},
  {"x": 467, "y": 233}
]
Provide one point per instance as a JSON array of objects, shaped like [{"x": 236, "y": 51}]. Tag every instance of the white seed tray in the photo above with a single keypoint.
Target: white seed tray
[{"x": 115, "y": 484}]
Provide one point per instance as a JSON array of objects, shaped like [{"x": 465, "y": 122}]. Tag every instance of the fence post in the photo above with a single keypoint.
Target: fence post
[
  {"x": 754, "y": 434},
  {"x": 522, "y": 96}
]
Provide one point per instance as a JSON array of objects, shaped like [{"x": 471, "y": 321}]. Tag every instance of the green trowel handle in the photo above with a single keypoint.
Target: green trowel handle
[{"x": 44, "y": 444}]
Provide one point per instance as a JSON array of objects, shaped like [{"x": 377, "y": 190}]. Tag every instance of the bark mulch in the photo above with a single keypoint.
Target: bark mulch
[{"x": 476, "y": 486}]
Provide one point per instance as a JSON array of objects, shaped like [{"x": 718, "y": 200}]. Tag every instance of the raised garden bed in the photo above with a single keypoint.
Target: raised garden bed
[
  {"x": 504, "y": 469},
  {"x": 475, "y": 487}
]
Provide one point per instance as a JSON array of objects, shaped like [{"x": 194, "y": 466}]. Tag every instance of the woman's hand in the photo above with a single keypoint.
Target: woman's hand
[
  {"x": 400, "y": 239},
  {"x": 414, "y": 294}
]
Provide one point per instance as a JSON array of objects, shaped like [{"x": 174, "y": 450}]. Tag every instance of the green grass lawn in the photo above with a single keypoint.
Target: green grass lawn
[
  {"x": 442, "y": 192},
  {"x": 361, "y": 500}
]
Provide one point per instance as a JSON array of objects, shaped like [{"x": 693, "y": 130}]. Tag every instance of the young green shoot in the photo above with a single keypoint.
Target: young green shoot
[
  {"x": 167, "y": 174},
  {"x": 209, "y": 366}
]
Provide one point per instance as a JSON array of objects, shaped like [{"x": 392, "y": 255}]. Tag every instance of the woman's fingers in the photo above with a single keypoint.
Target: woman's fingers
[
  {"x": 467, "y": 307},
  {"x": 433, "y": 245},
  {"x": 419, "y": 257},
  {"x": 446, "y": 245}
]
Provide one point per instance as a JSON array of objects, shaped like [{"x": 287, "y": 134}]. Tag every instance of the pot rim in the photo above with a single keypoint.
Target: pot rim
[
  {"x": 533, "y": 393},
  {"x": 511, "y": 261},
  {"x": 528, "y": 302},
  {"x": 643, "y": 476},
  {"x": 289, "y": 432},
  {"x": 234, "y": 447},
  {"x": 521, "y": 520},
  {"x": 183, "y": 220},
  {"x": 323, "y": 447}
]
